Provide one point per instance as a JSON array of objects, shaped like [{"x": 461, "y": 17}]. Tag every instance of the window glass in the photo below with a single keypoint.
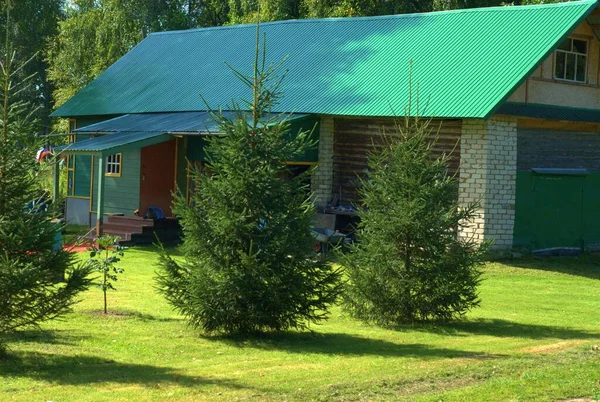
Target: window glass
[
  {"x": 566, "y": 45},
  {"x": 113, "y": 165},
  {"x": 570, "y": 60},
  {"x": 559, "y": 71},
  {"x": 580, "y": 46},
  {"x": 570, "y": 71},
  {"x": 581, "y": 61}
]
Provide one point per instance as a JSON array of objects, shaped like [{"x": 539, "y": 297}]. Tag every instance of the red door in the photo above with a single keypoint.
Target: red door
[{"x": 157, "y": 179}]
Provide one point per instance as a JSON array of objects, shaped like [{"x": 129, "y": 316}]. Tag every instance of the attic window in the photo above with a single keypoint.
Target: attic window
[{"x": 571, "y": 60}]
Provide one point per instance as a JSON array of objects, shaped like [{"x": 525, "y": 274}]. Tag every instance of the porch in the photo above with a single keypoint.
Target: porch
[{"x": 125, "y": 165}]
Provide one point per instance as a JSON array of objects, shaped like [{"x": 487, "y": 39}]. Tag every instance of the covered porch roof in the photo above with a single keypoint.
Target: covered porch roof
[{"x": 138, "y": 130}]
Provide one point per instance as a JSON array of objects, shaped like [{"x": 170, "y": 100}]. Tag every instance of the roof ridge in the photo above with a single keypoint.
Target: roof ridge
[{"x": 377, "y": 17}]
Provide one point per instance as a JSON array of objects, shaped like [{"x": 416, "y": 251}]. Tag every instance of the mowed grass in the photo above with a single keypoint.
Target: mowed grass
[{"x": 533, "y": 338}]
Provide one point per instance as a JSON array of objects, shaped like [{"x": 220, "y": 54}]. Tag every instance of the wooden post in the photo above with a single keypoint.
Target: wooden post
[
  {"x": 100, "y": 197},
  {"x": 56, "y": 180}
]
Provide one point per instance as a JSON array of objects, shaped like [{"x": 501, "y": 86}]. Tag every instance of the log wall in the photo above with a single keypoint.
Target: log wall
[{"x": 354, "y": 138}]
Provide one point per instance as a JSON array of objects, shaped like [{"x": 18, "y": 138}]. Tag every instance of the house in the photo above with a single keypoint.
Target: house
[{"x": 517, "y": 88}]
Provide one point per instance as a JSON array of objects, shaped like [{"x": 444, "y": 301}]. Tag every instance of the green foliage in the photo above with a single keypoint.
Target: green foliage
[
  {"x": 31, "y": 268},
  {"x": 33, "y": 24},
  {"x": 410, "y": 264},
  {"x": 89, "y": 41},
  {"x": 250, "y": 264},
  {"x": 104, "y": 255}
]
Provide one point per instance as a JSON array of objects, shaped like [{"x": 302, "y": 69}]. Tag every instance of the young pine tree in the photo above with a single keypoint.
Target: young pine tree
[
  {"x": 33, "y": 287},
  {"x": 409, "y": 264},
  {"x": 249, "y": 260}
]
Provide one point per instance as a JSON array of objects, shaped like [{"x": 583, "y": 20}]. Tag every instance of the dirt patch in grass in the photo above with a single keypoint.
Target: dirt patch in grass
[
  {"x": 112, "y": 314},
  {"x": 575, "y": 400},
  {"x": 553, "y": 347}
]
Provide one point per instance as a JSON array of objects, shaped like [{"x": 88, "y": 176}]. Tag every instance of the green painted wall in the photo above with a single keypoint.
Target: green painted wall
[
  {"x": 83, "y": 171},
  {"x": 552, "y": 210},
  {"x": 121, "y": 194},
  {"x": 181, "y": 166},
  {"x": 557, "y": 211}
]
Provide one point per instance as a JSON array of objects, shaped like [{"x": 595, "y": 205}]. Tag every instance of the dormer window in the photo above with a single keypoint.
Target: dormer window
[{"x": 571, "y": 60}]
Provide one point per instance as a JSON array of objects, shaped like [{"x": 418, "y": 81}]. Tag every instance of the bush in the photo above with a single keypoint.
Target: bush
[
  {"x": 104, "y": 254},
  {"x": 410, "y": 265},
  {"x": 249, "y": 263}
]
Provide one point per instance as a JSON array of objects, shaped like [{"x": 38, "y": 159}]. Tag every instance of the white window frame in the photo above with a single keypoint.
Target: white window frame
[
  {"x": 114, "y": 165},
  {"x": 575, "y": 53}
]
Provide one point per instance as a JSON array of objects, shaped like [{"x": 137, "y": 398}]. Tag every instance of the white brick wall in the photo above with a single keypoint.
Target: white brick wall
[
  {"x": 488, "y": 176},
  {"x": 322, "y": 178}
]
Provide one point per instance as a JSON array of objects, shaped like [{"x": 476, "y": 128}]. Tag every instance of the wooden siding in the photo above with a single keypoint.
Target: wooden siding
[
  {"x": 354, "y": 138},
  {"x": 542, "y": 148},
  {"x": 82, "y": 171},
  {"x": 82, "y": 175},
  {"x": 121, "y": 194}
]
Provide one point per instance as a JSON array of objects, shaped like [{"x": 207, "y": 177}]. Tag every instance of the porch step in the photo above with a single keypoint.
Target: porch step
[
  {"x": 127, "y": 226},
  {"x": 134, "y": 230},
  {"x": 130, "y": 219}
]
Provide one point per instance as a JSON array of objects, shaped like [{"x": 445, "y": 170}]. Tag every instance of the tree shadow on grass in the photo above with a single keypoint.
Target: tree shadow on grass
[
  {"x": 78, "y": 370},
  {"x": 504, "y": 328},
  {"x": 344, "y": 345},
  {"x": 53, "y": 337},
  {"x": 587, "y": 265},
  {"x": 129, "y": 314}
]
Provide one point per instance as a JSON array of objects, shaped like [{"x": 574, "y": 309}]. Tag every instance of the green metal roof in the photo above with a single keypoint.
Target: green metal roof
[
  {"x": 465, "y": 63},
  {"x": 540, "y": 111}
]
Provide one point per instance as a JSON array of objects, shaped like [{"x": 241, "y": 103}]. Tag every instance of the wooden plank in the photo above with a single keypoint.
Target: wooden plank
[
  {"x": 100, "y": 191},
  {"x": 55, "y": 180},
  {"x": 562, "y": 125}
]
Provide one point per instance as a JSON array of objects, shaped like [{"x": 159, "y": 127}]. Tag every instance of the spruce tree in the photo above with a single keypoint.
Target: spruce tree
[
  {"x": 410, "y": 264},
  {"x": 33, "y": 287},
  {"x": 249, "y": 260}
]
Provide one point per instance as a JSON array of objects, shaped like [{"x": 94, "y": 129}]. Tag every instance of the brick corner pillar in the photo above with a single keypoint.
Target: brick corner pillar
[
  {"x": 322, "y": 178},
  {"x": 488, "y": 175}
]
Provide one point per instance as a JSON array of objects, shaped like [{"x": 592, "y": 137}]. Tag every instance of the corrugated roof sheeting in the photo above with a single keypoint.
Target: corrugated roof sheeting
[
  {"x": 112, "y": 142},
  {"x": 179, "y": 122},
  {"x": 549, "y": 112},
  {"x": 464, "y": 63}
]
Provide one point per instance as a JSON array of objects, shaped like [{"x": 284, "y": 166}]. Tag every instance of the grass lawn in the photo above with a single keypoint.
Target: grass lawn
[{"x": 533, "y": 338}]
